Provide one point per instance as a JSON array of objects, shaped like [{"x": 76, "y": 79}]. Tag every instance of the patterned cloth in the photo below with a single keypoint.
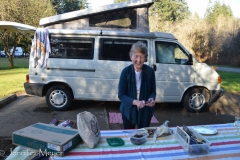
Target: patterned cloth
[
  {"x": 224, "y": 145},
  {"x": 40, "y": 49}
]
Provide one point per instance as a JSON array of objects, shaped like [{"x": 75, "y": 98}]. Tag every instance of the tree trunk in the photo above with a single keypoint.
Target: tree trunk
[{"x": 10, "y": 62}]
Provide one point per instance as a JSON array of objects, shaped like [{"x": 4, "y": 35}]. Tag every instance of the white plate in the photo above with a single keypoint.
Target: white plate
[{"x": 205, "y": 130}]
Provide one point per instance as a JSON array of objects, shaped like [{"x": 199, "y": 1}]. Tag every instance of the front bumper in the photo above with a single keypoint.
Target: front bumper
[
  {"x": 34, "y": 88},
  {"x": 216, "y": 94}
]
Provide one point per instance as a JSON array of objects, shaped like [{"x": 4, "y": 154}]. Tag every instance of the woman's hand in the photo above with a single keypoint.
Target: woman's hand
[
  {"x": 139, "y": 104},
  {"x": 150, "y": 102}
]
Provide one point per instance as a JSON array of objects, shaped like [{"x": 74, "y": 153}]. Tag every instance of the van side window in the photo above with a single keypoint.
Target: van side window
[
  {"x": 72, "y": 48},
  {"x": 116, "y": 49},
  {"x": 169, "y": 53}
]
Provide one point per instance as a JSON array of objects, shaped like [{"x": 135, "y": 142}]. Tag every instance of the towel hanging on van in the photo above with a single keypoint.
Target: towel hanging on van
[{"x": 40, "y": 49}]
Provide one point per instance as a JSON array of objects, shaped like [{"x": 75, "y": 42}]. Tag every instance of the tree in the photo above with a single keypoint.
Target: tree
[
  {"x": 213, "y": 12},
  {"x": 83, "y": 4},
  {"x": 170, "y": 10},
  {"x": 64, "y": 6},
  {"x": 26, "y": 12},
  {"x": 166, "y": 12}
]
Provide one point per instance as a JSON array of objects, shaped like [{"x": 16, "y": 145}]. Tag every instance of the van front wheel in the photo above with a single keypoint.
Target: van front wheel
[
  {"x": 196, "y": 99},
  {"x": 59, "y": 98}
]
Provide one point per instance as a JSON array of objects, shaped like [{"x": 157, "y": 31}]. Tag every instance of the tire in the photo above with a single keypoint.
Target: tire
[
  {"x": 59, "y": 98},
  {"x": 196, "y": 99}
]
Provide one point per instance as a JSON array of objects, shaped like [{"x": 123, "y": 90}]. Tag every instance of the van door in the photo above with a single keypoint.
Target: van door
[
  {"x": 173, "y": 72},
  {"x": 113, "y": 56}
]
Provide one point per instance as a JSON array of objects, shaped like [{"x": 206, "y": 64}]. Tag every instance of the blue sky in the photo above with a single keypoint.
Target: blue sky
[{"x": 198, "y": 6}]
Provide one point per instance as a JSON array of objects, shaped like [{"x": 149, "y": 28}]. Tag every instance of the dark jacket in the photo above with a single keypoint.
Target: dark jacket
[{"x": 127, "y": 92}]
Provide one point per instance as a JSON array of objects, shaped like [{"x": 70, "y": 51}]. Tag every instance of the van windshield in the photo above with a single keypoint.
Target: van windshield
[{"x": 170, "y": 53}]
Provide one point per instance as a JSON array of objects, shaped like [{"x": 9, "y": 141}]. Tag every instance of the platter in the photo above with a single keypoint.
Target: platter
[
  {"x": 152, "y": 130},
  {"x": 205, "y": 130},
  {"x": 149, "y": 130}
]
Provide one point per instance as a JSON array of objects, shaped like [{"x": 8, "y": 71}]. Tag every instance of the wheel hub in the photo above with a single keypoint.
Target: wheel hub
[
  {"x": 197, "y": 100},
  {"x": 58, "y": 98}
]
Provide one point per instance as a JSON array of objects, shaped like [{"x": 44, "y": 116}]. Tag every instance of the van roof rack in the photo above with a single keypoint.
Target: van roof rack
[{"x": 69, "y": 32}]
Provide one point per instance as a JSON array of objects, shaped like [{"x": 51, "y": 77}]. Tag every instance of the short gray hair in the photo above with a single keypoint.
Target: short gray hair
[{"x": 139, "y": 47}]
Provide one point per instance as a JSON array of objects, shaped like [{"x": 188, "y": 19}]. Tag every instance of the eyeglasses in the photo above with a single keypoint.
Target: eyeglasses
[{"x": 137, "y": 56}]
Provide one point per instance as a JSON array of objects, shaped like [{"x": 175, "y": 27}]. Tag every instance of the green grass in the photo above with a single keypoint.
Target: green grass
[
  {"x": 230, "y": 81},
  {"x": 18, "y": 63},
  {"x": 11, "y": 80},
  {"x": 226, "y": 66}
]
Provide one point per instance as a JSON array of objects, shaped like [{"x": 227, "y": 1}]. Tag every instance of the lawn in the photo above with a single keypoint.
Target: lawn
[
  {"x": 230, "y": 81},
  {"x": 18, "y": 63},
  {"x": 12, "y": 79}
]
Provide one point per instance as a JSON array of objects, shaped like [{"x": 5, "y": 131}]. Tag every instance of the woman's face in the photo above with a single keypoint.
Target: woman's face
[{"x": 138, "y": 59}]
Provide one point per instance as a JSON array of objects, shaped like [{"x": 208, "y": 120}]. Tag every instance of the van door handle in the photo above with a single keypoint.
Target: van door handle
[{"x": 154, "y": 67}]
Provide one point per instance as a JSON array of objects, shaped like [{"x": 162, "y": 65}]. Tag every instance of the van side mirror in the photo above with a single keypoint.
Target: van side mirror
[
  {"x": 154, "y": 67},
  {"x": 190, "y": 60}
]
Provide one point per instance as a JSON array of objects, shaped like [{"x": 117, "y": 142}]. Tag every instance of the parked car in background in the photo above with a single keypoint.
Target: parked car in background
[
  {"x": 18, "y": 52},
  {"x": 2, "y": 54}
]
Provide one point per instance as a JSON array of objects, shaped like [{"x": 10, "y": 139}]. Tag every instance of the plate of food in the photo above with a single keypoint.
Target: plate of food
[
  {"x": 205, "y": 130},
  {"x": 149, "y": 130}
]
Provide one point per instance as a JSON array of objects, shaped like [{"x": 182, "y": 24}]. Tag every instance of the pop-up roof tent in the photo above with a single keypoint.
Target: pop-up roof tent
[{"x": 126, "y": 16}]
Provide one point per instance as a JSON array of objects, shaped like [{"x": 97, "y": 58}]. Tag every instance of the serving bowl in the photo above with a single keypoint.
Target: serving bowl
[{"x": 138, "y": 137}]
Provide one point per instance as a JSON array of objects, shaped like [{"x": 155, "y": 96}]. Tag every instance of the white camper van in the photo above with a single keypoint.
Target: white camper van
[{"x": 88, "y": 55}]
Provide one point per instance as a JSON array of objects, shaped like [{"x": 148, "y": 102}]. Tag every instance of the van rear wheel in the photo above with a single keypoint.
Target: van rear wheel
[
  {"x": 59, "y": 98},
  {"x": 196, "y": 99}
]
